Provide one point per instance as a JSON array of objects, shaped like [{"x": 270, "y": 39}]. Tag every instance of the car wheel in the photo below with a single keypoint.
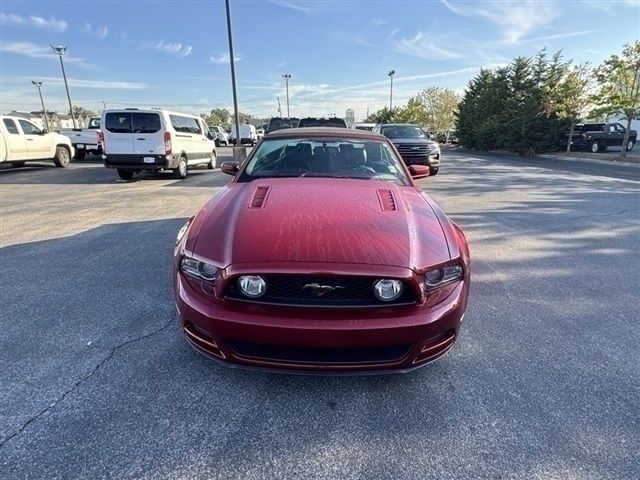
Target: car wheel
[
  {"x": 182, "y": 170},
  {"x": 630, "y": 145},
  {"x": 80, "y": 154},
  {"x": 217, "y": 142},
  {"x": 433, "y": 170},
  {"x": 595, "y": 146},
  {"x": 18, "y": 164},
  {"x": 213, "y": 161},
  {"x": 125, "y": 174},
  {"x": 62, "y": 158}
]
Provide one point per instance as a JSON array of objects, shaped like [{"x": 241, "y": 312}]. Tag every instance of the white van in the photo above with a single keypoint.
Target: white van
[
  {"x": 247, "y": 134},
  {"x": 153, "y": 140}
]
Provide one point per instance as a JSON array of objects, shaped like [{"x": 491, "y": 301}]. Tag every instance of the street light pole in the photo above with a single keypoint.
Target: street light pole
[
  {"x": 44, "y": 110},
  {"x": 286, "y": 77},
  {"x": 233, "y": 84},
  {"x": 391, "y": 74},
  {"x": 61, "y": 50}
]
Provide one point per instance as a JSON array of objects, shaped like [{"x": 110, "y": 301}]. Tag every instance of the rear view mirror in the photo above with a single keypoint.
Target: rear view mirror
[
  {"x": 418, "y": 171},
  {"x": 230, "y": 168}
]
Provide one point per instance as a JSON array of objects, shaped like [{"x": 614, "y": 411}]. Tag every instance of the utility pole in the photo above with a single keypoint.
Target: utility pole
[
  {"x": 391, "y": 74},
  {"x": 44, "y": 110},
  {"x": 279, "y": 107},
  {"x": 61, "y": 50},
  {"x": 286, "y": 77},
  {"x": 239, "y": 152}
]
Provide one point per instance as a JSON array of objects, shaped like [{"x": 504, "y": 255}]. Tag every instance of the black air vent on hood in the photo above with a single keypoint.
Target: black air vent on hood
[{"x": 259, "y": 197}]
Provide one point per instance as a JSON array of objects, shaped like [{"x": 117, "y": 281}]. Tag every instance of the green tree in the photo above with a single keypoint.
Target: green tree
[
  {"x": 436, "y": 109},
  {"x": 81, "y": 112},
  {"x": 618, "y": 80},
  {"x": 218, "y": 116},
  {"x": 575, "y": 90},
  {"x": 383, "y": 115}
]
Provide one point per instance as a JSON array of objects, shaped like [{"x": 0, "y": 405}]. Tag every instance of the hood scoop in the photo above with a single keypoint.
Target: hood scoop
[
  {"x": 259, "y": 197},
  {"x": 387, "y": 200}
]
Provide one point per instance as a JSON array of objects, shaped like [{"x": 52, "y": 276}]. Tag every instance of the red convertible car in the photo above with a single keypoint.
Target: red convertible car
[{"x": 322, "y": 256}]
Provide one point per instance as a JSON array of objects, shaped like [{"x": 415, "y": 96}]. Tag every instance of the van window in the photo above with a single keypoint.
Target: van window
[
  {"x": 11, "y": 126},
  {"x": 185, "y": 124},
  {"x": 145, "y": 122},
  {"x": 117, "y": 122}
]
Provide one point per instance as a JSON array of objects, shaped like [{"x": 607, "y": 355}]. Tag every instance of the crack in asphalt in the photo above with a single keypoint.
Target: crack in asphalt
[{"x": 86, "y": 377}]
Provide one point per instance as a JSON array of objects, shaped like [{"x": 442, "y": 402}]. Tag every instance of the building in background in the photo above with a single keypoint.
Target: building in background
[
  {"x": 56, "y": 120},
  {"x": 349, "y": 117}
]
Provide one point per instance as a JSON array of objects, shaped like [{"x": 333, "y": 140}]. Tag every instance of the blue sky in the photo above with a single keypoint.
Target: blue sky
[{"x": 174, "y": 53}]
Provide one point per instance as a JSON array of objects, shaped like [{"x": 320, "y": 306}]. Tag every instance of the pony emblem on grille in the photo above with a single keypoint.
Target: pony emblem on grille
[{"x": 320, "y": 290}]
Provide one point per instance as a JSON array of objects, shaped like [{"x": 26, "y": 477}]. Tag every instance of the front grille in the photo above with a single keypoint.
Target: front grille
[
  {"x": 413, "y": 152},
  {"x": 317, "y": 355},
  {"x": 348, "y": 292}
]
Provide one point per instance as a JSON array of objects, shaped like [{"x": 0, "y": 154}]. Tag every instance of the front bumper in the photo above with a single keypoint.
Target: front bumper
[
  {"x": 139, "y": 162},
  {"x": 431, "y": 160},
  {"x": 319, "y": 340}
]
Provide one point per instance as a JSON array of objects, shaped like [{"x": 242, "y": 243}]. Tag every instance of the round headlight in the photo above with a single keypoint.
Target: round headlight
[
  {"x": 252, "y": 286},
  {"x": 387, "y": 290}
]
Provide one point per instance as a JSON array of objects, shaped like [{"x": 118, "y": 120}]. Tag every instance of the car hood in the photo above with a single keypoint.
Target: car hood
[{"x": 317, "y": 220}]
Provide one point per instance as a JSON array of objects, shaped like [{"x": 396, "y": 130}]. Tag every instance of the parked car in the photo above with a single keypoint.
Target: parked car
[
  {"x": 21, "y": 141},
  {"x": 220, "y": 136},
  {"x": 248, "y": 135},
  {"x": 414, "y": 144},
  {"x": 280, "y": 123},
  {"x": 322, "y": 122},
  {"x": 85, "y": 140},
  {"x": 597, "y": 137},
  {"x": 364, "y": 126},
  {"x": 334, "y": 260},
  {"x": 260, "y": 133},
  {"x": 155, "y": 140}
]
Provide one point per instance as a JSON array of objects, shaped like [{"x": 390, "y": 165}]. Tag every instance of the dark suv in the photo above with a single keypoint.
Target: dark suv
[
  {"x": 280, "y": 123},
  {"x": 414, "y": 144},
  {"x": 322, "y": 122},
  {"x": 596, "y": 137}
]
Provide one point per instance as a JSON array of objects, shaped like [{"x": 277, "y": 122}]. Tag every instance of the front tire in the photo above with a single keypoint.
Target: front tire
[
  {"x": 182, "y": 171},
  {"x": 62, "y": 158},
  {"x": 213, "y": 161},
  {"x": 596, "y": 147},
  {"x": 18, "y": 164},
  {"x": 630, "y": 145},
  {"x": 80, "y": 154},
  {"x": 125, "y": 174},
  {"x": 433, "y": 171}
]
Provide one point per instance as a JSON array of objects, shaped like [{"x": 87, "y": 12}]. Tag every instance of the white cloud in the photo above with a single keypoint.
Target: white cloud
[
  {"x": 298, "y": 7},
  {"x": 32, "y": 50},
  {"x": 100, "y": 32},
  {"x": 559, "y": 36},
  {"x": 425, "y": 46},
  {"x": 517, "y": 19},
  {"x": 13, "y": 20},
  {"x": 94, "y": 84},
  {"x": 378, "y": 22},
  {"x": 175, "y": 49},
  {"x": 223, "y": 58}
]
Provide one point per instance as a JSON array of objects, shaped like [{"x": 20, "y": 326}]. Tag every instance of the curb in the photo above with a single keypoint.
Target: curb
[
  {"x": 548, "y": 156},
  {"x": 589, "y": 160}
]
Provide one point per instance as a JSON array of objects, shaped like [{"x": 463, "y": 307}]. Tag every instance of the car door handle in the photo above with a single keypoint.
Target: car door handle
[
  {"x": 29, "y": 139},
  {"x": 140, "y": 138}
]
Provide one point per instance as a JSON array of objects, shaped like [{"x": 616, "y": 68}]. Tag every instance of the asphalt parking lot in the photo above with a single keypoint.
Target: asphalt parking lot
[{"x": 544, "y": 382}]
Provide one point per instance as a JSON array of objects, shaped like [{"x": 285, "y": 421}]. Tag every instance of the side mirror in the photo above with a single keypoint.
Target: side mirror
[
  {"x": 210, "y": 136},
  {"x": 230, "y": 168},
  {"x": 42, "y": 132},
  {"x": 418, "y": 171}
]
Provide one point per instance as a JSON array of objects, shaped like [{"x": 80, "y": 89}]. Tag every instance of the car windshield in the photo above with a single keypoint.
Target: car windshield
[
  {"x": 403, "y": 131},
  {"x": 324, "y": 157}
]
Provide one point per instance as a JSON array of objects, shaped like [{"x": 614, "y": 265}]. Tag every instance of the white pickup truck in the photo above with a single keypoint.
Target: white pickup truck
[
  {"x": 21, "y": 141},
  {"x": 86, "y": 140}
]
